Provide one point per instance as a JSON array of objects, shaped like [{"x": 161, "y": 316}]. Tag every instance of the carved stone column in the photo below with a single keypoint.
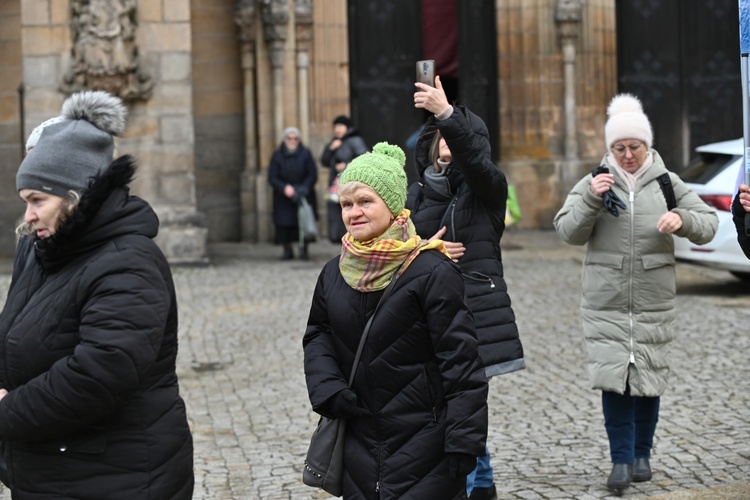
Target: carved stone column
[
  {"x": 275, "y": 16},
  {"x": 245, "y": 17},
  {"x": 568, "y": 18},
  {"x": 303, "y": 23}
]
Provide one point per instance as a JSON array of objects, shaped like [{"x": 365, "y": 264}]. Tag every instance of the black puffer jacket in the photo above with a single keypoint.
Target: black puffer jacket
[
  {"x": 475, "y": 216},
  {"x": 738, "y": 217},
  {"x": 419, "y": 376},
  {"x": 88, "y": 341}
]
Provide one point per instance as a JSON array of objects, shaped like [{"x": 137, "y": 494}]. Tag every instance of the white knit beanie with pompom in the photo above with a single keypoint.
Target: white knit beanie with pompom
[{"x": 627, "y": 121}]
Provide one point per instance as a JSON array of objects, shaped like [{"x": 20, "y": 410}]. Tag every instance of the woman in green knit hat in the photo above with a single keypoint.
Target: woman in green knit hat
[{"x": 416, "y": 413}]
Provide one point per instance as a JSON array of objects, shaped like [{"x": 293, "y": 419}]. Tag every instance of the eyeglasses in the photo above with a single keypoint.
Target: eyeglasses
[
  {"x": 622, "y": 150},
  {"x": 292, "y": 138}
]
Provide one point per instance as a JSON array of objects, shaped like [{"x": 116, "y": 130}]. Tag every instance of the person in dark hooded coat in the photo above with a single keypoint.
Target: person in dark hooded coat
[
  {"x": 345, "y": 145},
  {"x": 90, "y": 404},
  {"x": 416, "y": 414},
  {"x": 461, "y": 198}
]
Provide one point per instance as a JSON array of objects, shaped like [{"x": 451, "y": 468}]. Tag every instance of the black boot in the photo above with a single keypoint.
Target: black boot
[
  {"x": 303, "y": 253},
  {"x": 288, "y": 254},
  {"x": 641, "y": 470},
  {"x": 620, "y": 477},
  {"x": 484, "y": 493}
]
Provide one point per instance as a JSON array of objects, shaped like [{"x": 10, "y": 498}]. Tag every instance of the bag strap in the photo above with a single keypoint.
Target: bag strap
[
  {"x": 665, "y": 183},
  {"x": 366, "y": 331}
]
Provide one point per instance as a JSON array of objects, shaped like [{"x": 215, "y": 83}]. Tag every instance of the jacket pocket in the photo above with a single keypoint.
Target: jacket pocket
[
  {"x": 613, "y": 260},
  {"x": 657, "y": 284},
  {"x": 656, "y": 260},
  {"x": 434, "y": 388},
  {"x": 89, "y": 444},
  {"x": 603, "y": 281},
  {"x": 477, "y": 283}
]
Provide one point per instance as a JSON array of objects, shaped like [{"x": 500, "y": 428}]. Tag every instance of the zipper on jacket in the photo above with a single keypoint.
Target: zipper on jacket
[
  {"x": 453, "y": 213},
  {"x": 451, "y": 207},
  {"x": 377, "y": 425},
  {"x": 475, "y": 276},
  {"x": 631, "y": 198},
  {"x": 632, "y": 349},
  {"x": 432, "y": 392}
]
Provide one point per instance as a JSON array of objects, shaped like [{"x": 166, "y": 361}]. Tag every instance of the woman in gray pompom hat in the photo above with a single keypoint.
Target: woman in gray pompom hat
[{"x": 89, "y": 398}]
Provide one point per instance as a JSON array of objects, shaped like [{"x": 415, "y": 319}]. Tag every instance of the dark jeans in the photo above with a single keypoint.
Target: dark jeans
[{"x": 630, "y": 422}]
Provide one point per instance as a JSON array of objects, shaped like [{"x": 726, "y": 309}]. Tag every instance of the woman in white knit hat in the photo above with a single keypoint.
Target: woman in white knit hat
[{"x": 628, "y": 287}]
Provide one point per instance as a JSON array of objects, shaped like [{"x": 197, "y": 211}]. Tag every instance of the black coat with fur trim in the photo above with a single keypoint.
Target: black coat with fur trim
[
  {"x": 475, "y": 216},
  {"x": 419, "y": 376},
  {"x": 88, "y": 341}
]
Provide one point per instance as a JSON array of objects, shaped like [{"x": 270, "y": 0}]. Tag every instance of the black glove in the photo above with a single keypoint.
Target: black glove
[
  {"x": 460, "y": 464},
  {"x": 344, "y": 405},
  {"x": 610, "y": 199}
]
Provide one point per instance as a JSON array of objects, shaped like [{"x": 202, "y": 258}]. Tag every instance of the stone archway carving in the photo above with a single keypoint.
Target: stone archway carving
[{"x": 104, "y": 54}]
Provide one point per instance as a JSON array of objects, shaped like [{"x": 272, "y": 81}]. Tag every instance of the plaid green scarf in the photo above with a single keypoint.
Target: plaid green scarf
[{"x": 369, "y": 266}]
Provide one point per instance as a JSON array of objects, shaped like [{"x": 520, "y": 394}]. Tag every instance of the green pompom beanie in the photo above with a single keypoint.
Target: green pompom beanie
[{"x": 383, "y": 171}]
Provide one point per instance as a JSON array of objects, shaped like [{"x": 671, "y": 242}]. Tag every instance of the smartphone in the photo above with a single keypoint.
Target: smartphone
[{"x": 426, "y": 72}]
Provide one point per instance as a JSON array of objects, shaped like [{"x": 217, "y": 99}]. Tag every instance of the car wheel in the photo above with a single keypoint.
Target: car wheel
[{"x": 740, "y": 275}]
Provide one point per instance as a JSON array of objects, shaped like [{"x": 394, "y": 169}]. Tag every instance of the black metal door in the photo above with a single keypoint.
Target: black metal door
[
  {"x": 681, "y": 58},
  {"x": 384, "y": 45},
  {"x": 477, "y": 69},
  {"x": 385, "y": 41}
]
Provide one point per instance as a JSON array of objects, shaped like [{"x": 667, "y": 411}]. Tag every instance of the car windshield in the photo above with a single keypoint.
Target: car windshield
[{"x": 703, "y": 168}]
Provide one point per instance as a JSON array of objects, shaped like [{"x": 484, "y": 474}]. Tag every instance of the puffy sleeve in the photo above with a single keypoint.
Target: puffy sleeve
[
  {"x": 125, "y": 305},
  {"x": 322, "y": 371},
  {"x": 699, "y": 221},
  {"x": 466, "y": 136},
  {"x": 575, "y": 221},
  {"x": 451, "y": 327}
]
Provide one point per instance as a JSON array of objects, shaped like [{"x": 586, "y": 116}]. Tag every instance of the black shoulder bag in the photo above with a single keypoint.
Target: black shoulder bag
[{"x": 324, "y": 463}]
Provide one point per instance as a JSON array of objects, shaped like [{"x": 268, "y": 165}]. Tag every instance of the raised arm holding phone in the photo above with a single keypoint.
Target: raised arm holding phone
[{"x": 461, "y": 198}]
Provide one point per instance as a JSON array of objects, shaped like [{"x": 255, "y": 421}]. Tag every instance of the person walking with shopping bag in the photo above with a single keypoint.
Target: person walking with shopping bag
[{"x": 292, "y": 174}]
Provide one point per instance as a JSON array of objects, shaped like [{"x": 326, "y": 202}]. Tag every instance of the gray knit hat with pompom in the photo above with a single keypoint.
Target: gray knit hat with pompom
[{"x": 68, "y": 153}]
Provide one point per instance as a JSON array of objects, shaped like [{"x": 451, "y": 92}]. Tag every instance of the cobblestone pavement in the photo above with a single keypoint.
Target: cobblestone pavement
[{"x": 240, "y": 368}]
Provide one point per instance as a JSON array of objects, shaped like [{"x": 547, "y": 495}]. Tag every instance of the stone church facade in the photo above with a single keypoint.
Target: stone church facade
[{"x": 211, "y": 84}]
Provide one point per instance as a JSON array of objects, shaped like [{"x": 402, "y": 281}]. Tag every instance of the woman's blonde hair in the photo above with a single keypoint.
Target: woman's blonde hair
[
  {"x": 435, "y": 152},
  {"x": 352, "y": 186},
  {"x": 70, "y": 203}
]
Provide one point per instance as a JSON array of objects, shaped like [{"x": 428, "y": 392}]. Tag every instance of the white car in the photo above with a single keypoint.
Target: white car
[{"x": 712, "y": 175}]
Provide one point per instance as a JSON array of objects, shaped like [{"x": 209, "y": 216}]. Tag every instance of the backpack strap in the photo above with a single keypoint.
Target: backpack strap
[{"x": 665, "y": 183}]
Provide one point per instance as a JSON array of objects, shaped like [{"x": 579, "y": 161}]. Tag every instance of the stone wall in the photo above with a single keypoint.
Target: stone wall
[
  {"x": 532, "y": 94},
  {"x": 11, "y": 151},
  {"x": 218, "y": 114},
  {"x": 221, "y": 94},
  {"x": 160, "y": 130}
]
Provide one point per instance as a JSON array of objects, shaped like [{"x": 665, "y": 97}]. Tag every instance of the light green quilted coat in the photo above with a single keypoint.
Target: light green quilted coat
[{"x": 628, "y": 284}]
